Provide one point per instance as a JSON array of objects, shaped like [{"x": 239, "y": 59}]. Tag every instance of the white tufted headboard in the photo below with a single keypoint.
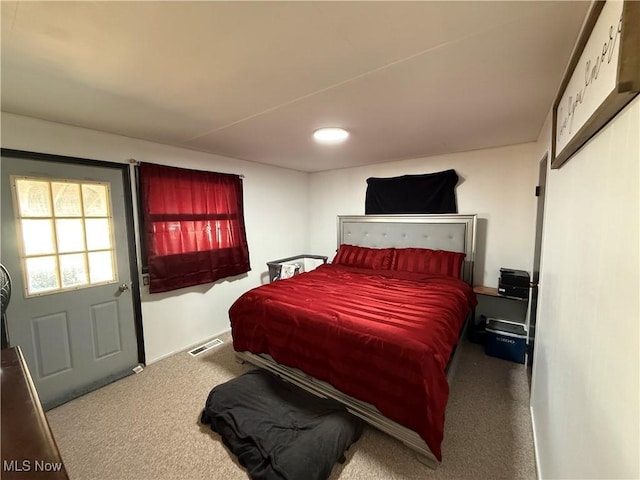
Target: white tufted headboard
[{"x": 453, "y": 232}]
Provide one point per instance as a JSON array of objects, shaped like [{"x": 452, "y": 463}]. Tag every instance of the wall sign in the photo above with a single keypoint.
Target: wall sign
[{"x": 603, "y": 76}]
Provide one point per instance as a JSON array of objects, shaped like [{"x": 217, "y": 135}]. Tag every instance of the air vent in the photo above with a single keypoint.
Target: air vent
[{"x": 205, "y": 347}]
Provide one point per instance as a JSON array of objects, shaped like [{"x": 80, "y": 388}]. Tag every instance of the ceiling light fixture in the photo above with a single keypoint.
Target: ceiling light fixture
[{"x": 330, "y": 135}]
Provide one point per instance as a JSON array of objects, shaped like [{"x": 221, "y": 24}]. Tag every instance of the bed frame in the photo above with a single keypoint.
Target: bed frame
[{"x": 455, "y": 233}]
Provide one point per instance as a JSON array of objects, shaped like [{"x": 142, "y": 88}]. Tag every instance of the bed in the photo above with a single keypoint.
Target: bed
[{"x": 377, "y": 328}]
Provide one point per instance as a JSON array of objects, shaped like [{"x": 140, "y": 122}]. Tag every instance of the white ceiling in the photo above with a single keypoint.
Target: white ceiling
[{"x": 252, "y": 80}]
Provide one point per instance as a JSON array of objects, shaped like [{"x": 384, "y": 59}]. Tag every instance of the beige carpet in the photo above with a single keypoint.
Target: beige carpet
[{"x": 146, "y": 426}]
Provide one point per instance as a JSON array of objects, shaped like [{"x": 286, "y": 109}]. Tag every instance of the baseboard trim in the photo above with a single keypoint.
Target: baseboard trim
[
  {"x": 188, "y": 347},
  {"x": 535, "y": 444}
]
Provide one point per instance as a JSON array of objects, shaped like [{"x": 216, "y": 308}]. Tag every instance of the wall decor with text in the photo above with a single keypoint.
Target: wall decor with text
[{"x": 603, "y": 76}]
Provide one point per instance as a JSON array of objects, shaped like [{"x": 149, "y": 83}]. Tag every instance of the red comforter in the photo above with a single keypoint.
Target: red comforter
[{"x": 380, "y": 336}]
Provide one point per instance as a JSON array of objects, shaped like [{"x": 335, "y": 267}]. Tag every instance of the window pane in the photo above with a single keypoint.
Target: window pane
[
  {"x": 101, "y": 267},
  {"x": 98, "y": 233},
  {"x": 37, "y": 236},
  {"x": 33, "y": 198},
  {"x": 61, "y": 255},
  {"x": 73, "y": 270},
  {"x": 41, "y": 274},
  {"x": 66, "y": 199},
  {"x": 95, "y": 200},
  {"x": 70, "y": 235}
]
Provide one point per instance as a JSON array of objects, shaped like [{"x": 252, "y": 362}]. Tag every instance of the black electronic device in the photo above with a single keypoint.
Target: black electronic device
[{"x": 513, "y": 283}]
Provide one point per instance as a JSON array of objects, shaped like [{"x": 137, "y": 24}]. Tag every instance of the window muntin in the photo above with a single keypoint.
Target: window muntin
[{"x": 65, "y": 234}]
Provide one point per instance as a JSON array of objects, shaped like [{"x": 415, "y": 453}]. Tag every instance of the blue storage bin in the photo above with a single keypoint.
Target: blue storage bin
[{"x": 505, "y": 339}]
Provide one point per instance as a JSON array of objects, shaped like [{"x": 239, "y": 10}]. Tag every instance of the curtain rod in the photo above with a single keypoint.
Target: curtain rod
[{"x": 137, "y": 163}]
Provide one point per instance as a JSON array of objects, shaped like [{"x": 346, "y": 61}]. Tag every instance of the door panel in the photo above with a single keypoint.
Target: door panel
[
  {"x": 52, "y": 345},
  {"x": 85, "y": 335},
  {"x": 106, "y": 329}
]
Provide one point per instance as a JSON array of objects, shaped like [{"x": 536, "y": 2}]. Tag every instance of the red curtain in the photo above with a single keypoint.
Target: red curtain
[{"x": 193, "y": 223}]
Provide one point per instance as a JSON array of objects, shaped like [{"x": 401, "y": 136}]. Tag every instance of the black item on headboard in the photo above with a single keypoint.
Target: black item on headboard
[{"x": 427, "y": 193}]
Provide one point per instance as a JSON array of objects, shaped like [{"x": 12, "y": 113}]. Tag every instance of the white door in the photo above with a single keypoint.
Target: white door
[{"x": 66, "y": 246}]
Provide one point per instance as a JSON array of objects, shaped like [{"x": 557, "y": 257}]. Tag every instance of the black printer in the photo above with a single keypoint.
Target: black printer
[{"x": 513, "y": 283}]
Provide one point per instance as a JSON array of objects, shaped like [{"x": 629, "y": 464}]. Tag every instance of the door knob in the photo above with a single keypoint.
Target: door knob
[{"x": 124, "y": 287}]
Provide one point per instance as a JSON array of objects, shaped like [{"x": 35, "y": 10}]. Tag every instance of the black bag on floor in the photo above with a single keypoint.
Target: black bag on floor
[{"x": 277, "y": 430}]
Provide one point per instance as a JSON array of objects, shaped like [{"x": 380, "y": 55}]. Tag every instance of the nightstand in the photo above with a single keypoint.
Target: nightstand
[{"x": 493, "y": 305}]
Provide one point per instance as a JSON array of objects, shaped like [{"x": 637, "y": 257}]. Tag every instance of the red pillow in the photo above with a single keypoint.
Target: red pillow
[
  {"x": 424, "y": 260},
  {"x": 363, "y": 257}
]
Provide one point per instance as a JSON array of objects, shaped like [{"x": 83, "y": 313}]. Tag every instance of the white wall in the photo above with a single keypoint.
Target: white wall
[
  {"x": 497, "y": 184},
  {"x": 585, "y": 394},
  {"x": 173, "y": 321}
]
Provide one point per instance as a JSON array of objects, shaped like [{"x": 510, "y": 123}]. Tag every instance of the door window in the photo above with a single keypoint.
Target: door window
[{"x": 66, "y": 234}]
